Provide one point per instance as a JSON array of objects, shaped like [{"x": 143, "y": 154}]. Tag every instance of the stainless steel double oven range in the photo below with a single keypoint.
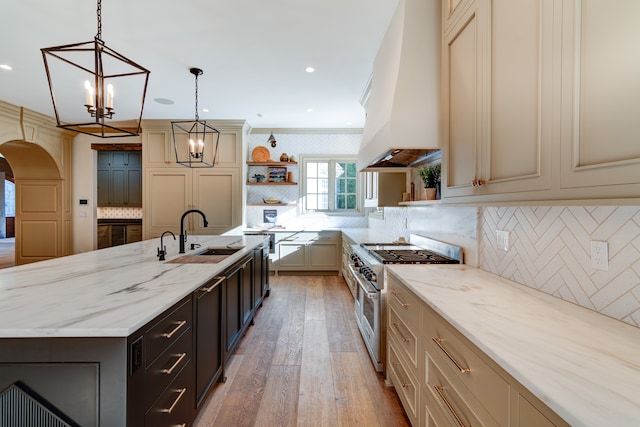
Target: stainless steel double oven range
[{"x": 367, "y": 266}]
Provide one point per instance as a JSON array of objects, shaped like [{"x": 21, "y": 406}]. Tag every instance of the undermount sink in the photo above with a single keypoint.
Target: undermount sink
[
  {"x": 210, "y": 255},
  {"x": 219, "y": 251}
]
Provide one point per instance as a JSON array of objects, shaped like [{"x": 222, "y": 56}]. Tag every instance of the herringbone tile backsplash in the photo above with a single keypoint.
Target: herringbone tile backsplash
[{"x": 550, "y": 250}]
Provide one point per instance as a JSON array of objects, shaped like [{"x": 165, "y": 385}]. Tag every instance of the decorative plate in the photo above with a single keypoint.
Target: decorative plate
[{"x": 260, "y": 154}]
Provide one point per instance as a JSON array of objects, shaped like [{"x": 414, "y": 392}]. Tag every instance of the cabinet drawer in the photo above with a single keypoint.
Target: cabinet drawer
[
  {"x": 406, "y": 304},
  {"x": 168, "y": 330},
  {"x": 406, "y": 385},
  {"x": 443, "y": 404},
  {"x": 175, "y": 406},
  {"x": 166, "y": 368},
  {"x": 405, "y": 339},
  {"x": 454, "y": 355}
]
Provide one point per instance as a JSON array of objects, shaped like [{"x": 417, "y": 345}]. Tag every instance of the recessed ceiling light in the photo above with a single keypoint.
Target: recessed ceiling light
[
  {"x": 205, "y": 110},
  {"x": 309, "y": 110},
  {"x": 6, "y": 67},
  {"x": 163, "y": 101},
  {"x": 309, "y": 69},
  {"x": 348, "y": 123}
]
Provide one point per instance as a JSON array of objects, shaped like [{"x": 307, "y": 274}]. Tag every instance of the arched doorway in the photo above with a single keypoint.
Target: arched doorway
[{"x": 39, "y": 228}]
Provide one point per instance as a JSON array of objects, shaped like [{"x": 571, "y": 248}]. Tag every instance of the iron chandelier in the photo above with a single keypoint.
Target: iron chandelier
[
  {"x": 191, "y": 137},
  {"x": 104, "y": 74}
]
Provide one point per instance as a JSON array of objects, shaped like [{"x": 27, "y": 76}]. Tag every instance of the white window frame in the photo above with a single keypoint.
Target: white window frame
[{"x": 332, "y": 160}]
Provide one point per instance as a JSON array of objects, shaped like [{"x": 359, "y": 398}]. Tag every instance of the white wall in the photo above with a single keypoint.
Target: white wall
[{"x": 84, "y": 187}]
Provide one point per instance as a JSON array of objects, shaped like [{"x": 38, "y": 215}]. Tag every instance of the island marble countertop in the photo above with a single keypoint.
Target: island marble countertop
[
  {"x": 105, "y": 293},
  {"x": 583, "y": 365}
]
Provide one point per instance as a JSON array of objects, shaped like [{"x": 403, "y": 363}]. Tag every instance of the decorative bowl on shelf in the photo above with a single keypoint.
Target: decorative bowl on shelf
[{"x": 271, "y": 201}]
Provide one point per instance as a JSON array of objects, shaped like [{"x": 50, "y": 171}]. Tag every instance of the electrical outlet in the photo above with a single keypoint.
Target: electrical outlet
[
  {"x": 600, "y": 255},
  {"x": 502, "y": 239}
]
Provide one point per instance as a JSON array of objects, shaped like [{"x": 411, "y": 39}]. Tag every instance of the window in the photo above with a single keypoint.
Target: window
[{"x": 330, "y": 185}]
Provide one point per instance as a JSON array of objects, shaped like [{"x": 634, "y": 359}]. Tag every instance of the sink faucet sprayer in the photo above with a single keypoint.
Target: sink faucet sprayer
[
  {"x": 183, "y": 235},
  {"x": 162, "y": 250}
]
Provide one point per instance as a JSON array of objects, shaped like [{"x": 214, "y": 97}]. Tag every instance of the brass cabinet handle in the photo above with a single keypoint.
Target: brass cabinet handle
[
  {"x": 176, "y": 329},
  {"x": 438, "y": 342},
  {"x": 212, "y": 287},
  {"x": 403, "y": 384},
  {"x": 170, "y": 409},
  {"x": 402, "y": 303},
  {"x": 175, "y": 365},
  {"x": 439, "y": 389},
  {"x": 397, "y": 329}
]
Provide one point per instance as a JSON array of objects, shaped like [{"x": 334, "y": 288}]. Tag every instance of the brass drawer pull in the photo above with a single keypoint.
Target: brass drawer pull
[
  {"x": 397, "y": 329},
  {"x": 176, "y": 329},
  {"x": 404, "y": 385},
  {"x": 175, "y": 365},
  {"x": 212, "y": 287},
  {"x": 462, "y": 369},
  {"x": 182, "y": 391},
  {"x": 439, "y": 389},
  {"x": 402, "y": 303}
]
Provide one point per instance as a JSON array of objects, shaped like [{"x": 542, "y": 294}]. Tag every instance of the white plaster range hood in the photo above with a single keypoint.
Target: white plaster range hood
[{"x": 403, "y": 105}]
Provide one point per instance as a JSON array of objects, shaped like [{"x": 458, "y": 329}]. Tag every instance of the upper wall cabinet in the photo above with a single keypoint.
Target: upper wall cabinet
[
  {"x": 498, "y": 77},
  {"x": 601, "y": 98},
  {"x": 541, "y": 100},
  {"x": 119, "y": 178}
]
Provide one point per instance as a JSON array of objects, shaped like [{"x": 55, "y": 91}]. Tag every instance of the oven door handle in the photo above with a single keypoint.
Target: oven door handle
[{"x": 369, "y": 290}]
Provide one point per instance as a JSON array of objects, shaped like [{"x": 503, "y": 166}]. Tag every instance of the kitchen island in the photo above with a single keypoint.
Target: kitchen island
[{"x": 79, "y": 330}]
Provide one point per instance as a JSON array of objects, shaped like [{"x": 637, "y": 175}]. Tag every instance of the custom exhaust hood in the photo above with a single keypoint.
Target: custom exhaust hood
[{"x": 402, "y": 125}]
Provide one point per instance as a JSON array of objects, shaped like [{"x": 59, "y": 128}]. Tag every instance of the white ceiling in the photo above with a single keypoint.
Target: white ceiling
[{"x": 253, "y": 53}]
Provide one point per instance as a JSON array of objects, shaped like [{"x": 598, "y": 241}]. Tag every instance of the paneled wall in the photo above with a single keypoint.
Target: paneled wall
[{"x": 549, "y": 248}]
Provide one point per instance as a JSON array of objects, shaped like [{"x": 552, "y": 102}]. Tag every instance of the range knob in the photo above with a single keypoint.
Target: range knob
[{"x": 356, "y": 260}]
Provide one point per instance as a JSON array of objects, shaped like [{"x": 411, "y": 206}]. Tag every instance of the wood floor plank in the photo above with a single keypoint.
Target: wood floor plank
[
  {"x": 290, "y": 341},
  {"x": 314, "y": 308},
  {"x": 316, "y": 405},
  {"x": 279, "y": 405},
  {"x": 339, "y": 315},
  {"x": 354, "y": 403}
]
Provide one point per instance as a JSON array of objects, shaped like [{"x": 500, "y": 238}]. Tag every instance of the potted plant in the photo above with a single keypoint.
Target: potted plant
[{"x": 431, "y": 177}]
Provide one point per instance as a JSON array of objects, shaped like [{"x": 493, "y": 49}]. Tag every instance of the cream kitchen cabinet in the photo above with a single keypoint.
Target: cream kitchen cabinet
[
  {"x": 308, "y": 251},
  {"x": 347, "y": 250},
  {"x": 601, "y": 99},
  {"x": 443, "y": 379},
  {"x": 534, "y": 107},
  {"x": 169, "y": 192},
  {"x": 499, "y": 76}
]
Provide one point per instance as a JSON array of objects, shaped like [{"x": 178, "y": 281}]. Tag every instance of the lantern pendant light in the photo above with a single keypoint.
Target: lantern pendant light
[
  {"x": 192, "y": 137},
  {"x": 102, "y": 73}
]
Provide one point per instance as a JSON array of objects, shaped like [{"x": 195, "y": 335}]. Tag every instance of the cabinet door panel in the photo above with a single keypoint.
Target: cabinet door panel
[
  {"x": 292, "y": 255},
  {"x": 167, "y": 197},
  {"x": 323, "y": 256},
  {"x": 217, "y": 195},
  {"x": 208, "y": 338},
  {"x": 462, "y": 75},
  {"x": 118, "y": 182},
  {"x": 603, "y": 103}
]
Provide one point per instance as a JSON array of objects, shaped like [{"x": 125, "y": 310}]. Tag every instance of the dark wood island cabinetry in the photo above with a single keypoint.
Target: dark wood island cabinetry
[{"x": 100, "y": 357}]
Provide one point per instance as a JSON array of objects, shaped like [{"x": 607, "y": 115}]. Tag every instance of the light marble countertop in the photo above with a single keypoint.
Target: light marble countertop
[
  {"x": 583, "y": 365},
  {"x": 105, "y": 293}
]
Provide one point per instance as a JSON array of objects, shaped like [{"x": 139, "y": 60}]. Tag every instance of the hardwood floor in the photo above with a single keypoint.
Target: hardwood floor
[
  {"x": 7, "y": 252},
  {"x": 303, "y": 363}
]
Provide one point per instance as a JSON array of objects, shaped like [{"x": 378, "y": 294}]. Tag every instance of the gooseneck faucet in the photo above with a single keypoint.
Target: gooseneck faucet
[
  {"x": 183, "y": 236},
  {"x": 162, "y": 250}
]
